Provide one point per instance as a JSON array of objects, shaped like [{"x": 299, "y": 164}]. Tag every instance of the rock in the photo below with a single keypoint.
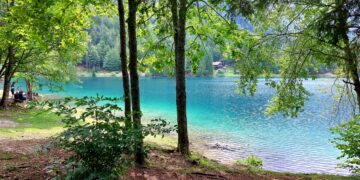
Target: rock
[{"x": 220, "y": 147}]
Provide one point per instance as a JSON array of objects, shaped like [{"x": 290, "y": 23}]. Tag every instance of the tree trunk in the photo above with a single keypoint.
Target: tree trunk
[
  {"x": 124, "y": 69},
  {"x": 29, "y": 90},
  {"x": 352, "y": 69},
  {"x": 134, "y": 78},
  {"x": 179, "y": 23},
  {"x": 7, "y": 78},
  {"x": 351, "y": 59}
]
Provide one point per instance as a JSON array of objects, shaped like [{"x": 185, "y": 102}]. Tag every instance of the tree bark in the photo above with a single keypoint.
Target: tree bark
[
  {"x": 124, "y": 69},
  {"x": 352, "y": 69},
  {"x": 7, "y": 77},
  {"x": 351, "y": 59},
  {"x": 29, "y": 90},
  {"x": 134, "y": 78},
  {"x": 179, "y": 24}
]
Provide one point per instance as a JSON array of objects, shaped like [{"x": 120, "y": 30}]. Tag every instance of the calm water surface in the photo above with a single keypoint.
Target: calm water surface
[{"x": 217, "y": 116}]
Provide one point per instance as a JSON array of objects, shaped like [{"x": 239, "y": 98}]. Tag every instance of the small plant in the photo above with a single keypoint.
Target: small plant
[
  {"x": 348, "y": 142},
  {"x": 197, "y": 159},
  {"x": 221, "y": 72},
  {"x": 97, "y": 136},
  {"x": 252, "y": 161}
]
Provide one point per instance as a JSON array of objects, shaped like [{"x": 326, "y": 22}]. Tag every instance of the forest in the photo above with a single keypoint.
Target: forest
[
  {"x": 103, "y": 52},
  {"x": 179, "y": 89}
]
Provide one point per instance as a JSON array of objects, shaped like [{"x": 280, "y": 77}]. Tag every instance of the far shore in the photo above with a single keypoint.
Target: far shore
[{"x": 216, "y": 74}]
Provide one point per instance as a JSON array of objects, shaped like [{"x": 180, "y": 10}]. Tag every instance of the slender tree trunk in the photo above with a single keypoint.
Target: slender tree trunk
[
  {"x": 7, "y": 78},
  {"x": 124, "y": 69},
  {"x": 179, "y": 23},
  {"x": 134, "y": 78},
  {"x": 29, "y": 90}
]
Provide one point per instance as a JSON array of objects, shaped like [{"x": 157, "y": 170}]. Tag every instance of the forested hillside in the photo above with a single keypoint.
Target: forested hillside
[{"x": 103, "y": 50}]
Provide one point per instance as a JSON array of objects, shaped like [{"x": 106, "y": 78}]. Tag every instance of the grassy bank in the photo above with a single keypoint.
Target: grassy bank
[
  {"x": 30, "y": 124},
  {"x": 35, "y": 124}
]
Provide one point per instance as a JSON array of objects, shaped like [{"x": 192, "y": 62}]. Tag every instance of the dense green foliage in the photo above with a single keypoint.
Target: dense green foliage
[
  {"x": 298, "y": 39},
  {"x": 43, "y": 39},
  {"x": 104, "y": 35},
  {"x": 252, "y": 161},
  {"x": 97, "y": 136},
  {"x": 348, "y": 143},
  {"x": 112, "y": 62}
]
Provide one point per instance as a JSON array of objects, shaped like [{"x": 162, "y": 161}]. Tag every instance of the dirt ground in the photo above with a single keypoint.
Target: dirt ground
[
  {"x": 8, "y": 123},
  {"x": 22, "y": 159},
  {"x": 26, "y": 159}
]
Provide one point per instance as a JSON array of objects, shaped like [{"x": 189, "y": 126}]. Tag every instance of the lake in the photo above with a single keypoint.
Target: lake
[{"x": 225, "y": 126}]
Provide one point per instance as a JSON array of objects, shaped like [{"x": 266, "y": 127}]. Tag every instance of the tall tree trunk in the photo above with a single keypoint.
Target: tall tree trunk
[
  {"x": 124, "y": 69},
  {"x": 134, "y": 78},
  {"x": 351, "y": 59},
  {"x": 352, "y": 69},
  {"x": 179, "y": 24},
  {"x": 7, "y": 78}
]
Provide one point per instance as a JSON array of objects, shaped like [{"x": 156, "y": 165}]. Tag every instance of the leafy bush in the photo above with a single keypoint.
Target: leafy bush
[
  {"x": 348, "y": 142},
  {"x": 251, "y": 161},
  {"x": 98, "y": 137}
]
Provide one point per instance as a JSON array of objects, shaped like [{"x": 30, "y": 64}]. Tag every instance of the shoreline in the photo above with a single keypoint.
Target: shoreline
[
  {"x": 197, "y": 141},
  {"x": 168, "y": 142},
  {"x": 118, "y": 74}
]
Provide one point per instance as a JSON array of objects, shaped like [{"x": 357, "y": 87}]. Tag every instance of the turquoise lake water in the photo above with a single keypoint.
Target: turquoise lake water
[{"x": 236, "y": 125}]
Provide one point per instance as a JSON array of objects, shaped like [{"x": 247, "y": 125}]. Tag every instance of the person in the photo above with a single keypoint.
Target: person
[
  {"x": 12, "y": 89},
  {"x": 20, "y": 96}
]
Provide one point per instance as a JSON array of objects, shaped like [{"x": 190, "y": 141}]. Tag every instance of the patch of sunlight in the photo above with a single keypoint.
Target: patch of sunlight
[
  {"x": 165, "y": 142},
  {"x": 29, "y": 132}
]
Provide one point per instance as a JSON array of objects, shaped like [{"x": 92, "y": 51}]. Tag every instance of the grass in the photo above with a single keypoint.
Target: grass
[
  {"x": 159, "y": 142},
  {"x": 33, "y": 124},
  {"x": 208, "y": 163}
]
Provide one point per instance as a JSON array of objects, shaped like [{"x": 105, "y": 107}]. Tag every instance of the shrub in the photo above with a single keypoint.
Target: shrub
[
  {"x": 97, "y": 136},
  {"x": 348, "y": 142},
  {"x": 252, "y": 161}
]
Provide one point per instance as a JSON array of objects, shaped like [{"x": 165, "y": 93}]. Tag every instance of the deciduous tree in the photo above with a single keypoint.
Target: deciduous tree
[
  {"x": 123, "y": 57},
  {"x": 134, "y": 78}
]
